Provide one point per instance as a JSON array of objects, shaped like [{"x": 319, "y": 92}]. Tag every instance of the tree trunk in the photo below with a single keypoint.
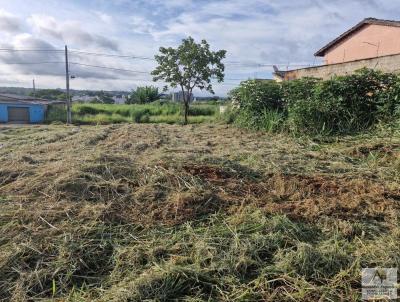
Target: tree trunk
[
  {"x": 186, "y": 104},
  {"x": 186, "y": 99}
]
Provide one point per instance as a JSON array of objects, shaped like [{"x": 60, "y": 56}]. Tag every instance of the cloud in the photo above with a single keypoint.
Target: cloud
[
  {"x": 283, "y": 31},
  {"x": 253, "y": 32},
  {"x": 49, "y": 62},
  {"x": 70, "y": 32},
  {"x": 104, "y": 17},
  {"x": 9, "y": 23},
  {"x": 142, "y": 25}
]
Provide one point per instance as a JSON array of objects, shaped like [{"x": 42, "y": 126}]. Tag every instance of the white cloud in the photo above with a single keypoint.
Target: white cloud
[
  {"x": 104, "y": 17},
  {"x": 141, "y": 25},
  {"x": 69, "y": 32}
]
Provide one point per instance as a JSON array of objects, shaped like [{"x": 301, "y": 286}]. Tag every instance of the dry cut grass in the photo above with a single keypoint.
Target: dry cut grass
[{"x": 194, "y": 213}]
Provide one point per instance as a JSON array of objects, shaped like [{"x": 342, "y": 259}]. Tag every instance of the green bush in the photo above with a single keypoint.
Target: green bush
[
  {"x": 267, "y": 120},
  {"x": 255, "y": 96},
  {"x": 301, "y": 89},
  {"x": 229, "y": 116},
  {"x": 56, "y": 113},
  {"x": 203, "y": 110},
  {"x": 258, "y": 105},
  {"x": 346, "y": 104},
  {"x": 341, "y": 105}
]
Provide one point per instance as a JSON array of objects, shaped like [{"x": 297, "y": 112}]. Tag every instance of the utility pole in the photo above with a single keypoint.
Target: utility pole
[
  {"x": 69, "y": 117},
  {"x": 34, "y": 88}
]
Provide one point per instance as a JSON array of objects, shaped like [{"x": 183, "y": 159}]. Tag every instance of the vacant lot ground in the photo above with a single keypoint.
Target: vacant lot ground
[{"x": 193, "y": 213}]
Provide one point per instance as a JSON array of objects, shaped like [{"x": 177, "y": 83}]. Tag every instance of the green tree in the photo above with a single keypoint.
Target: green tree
[
  {"x": 49, "y": 94},
  {"x": 190, "y": 65},
  {"x": 143, "y": 95},
  {"x": 105, "y": 98}
]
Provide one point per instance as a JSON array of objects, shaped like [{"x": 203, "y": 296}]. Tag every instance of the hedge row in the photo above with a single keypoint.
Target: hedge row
[{"x": 341, "y": 105}]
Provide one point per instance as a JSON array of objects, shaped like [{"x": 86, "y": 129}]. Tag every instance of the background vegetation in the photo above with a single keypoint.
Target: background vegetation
[
  {"x": 49, "y": 94},
  {"x": 341, "y": 105},
  {"x": 156, "y": 112},
  {"x": 143, "y": 95}
]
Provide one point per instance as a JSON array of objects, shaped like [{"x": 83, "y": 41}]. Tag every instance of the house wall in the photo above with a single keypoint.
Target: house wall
[
  {"x": 36, "y": 112},
  {"x": 370, "y": 41},
  {"x": 386, "y": 64}
]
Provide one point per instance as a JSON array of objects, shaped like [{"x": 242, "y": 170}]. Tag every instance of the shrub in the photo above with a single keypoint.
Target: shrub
[
  {"x": 260, "y": 105},
  {"x": 255, "y": 96},
  {"x": 341, "y": 105},
  {"x": 56, "y": 114},
  {"x": 229, "y": 116},
  {"x": 301, "y": 89},
  {"x": 202, "y": 110},
  {"x": 346, "y": 104},
  {"x": 267, "y": 120}
]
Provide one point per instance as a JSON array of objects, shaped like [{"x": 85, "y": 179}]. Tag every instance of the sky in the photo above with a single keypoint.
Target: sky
[{"x": 255, "y": 33}]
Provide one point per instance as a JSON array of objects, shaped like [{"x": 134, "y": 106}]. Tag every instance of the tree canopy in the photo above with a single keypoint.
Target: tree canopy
[
  {"x": 143, "y": 95},
  {"x": 190, "y": 65}
]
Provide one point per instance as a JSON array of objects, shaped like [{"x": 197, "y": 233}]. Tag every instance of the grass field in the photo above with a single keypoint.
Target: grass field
[
  {"x": 148, "y": 212},
  {"x": 157, "y": 112}
]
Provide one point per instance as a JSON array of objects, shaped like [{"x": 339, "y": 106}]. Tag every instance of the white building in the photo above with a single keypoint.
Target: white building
[
  {"x": 178, "y": 96},
  {"x": 119, "y": 99}
]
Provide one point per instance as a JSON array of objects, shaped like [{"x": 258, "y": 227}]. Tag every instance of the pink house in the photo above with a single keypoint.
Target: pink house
[{"x": 370, "y": 38}]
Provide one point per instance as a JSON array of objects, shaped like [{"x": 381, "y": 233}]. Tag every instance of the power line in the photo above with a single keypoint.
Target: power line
[
  {"x": 111, "y": 55},
  {"x": 249, "y": 64},
  {"x": 31, "y": 63},
  {"x": 110, "y": 68},
  {"x": 38, "y": 50},
  {"x": 113, "y": 68},
  {"x": 126, "y": 56}
]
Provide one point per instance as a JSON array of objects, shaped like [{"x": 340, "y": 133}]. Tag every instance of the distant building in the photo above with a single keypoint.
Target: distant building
[
  {"x": 24, "y": 109},
  {"x": 120, "y": 99},
  {"x": 372, "y": 43},
  {"x": 178, "y": 96}
]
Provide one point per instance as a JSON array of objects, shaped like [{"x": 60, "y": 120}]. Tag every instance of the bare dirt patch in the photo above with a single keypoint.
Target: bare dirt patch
[{"x": 381, "y": 149}]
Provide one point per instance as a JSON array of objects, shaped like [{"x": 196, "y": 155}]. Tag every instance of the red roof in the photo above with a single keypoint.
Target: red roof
[{"x": 367, "y": 21}]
